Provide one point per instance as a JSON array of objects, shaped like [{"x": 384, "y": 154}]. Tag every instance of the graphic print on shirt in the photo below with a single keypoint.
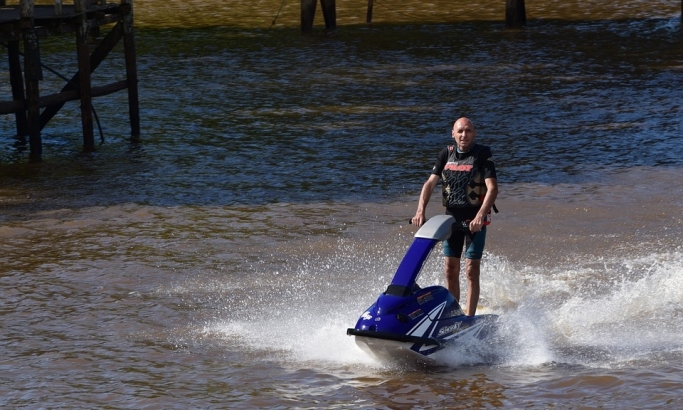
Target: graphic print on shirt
[{"x": 463, "y": 183}]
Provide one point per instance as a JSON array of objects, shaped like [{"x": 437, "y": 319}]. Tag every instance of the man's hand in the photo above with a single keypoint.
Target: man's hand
[
  {"x": 418, "y": 220},
  {"x": 477, "y": 223}
]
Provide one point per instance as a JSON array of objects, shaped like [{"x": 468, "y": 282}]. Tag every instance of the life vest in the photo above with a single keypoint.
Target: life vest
[{"x": 463, "y": 183}]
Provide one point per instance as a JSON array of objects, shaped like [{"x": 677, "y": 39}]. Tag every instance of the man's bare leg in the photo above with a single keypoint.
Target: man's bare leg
[
  {"x": 472, "y": 269},
  {"x": 453, "y": 276}
]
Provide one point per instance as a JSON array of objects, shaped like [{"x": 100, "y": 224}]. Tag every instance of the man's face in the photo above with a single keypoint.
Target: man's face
[{"x": 464, "y": 134}]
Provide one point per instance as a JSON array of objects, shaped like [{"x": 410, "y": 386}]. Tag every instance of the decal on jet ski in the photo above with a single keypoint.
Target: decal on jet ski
[
  {"x": 416, "y": 314},
  {"x": 425, "y": 298},
  {"x": 421, "y": 328},
  {"x": 366, "y": 315},
  {"x": 465, "y": 328},
  {"x": 449, "y": 329}
]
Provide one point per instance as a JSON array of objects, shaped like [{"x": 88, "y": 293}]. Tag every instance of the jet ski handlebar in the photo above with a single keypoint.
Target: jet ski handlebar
[{"x": 443, "y": 220}]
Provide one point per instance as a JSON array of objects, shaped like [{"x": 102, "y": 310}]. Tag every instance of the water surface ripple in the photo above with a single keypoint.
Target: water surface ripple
[{"x": 218, "y": 263}]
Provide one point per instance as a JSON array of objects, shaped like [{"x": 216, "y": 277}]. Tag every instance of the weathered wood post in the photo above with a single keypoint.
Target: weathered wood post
[
  {"x": 308, "y": 13},
  {"x": 515, "y": 14},
  {"x": 84, "y": 83},
  {"x": 17, "y": 82},
  {"x": 329, "y": 13},
  {"x": 58, "y": 7},
  {"x": 33, "y": 74},
  {"x": 368, "y": 18},
  {"x": 131, "y": 69}
]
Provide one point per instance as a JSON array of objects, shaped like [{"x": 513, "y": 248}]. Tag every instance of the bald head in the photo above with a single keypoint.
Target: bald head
[{"x": 464, "y": 134}]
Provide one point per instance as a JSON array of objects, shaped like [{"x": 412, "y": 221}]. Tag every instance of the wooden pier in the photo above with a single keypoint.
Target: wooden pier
[
  {"x": 515, "y": 13},
  {"x": 27, "y": 23}
]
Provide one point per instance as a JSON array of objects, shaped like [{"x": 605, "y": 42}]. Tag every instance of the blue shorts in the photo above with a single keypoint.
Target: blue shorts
[{"x": 473, "y": 242}]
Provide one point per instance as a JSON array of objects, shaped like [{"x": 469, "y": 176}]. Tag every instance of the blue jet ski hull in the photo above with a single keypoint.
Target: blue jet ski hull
[{"x": 408, "y": 323}]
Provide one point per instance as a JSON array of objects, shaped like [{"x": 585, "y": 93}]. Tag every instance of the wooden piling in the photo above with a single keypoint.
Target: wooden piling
[
  {"x": 131, "y": 69},
  {"x": 17, "y": 82},
  {"x": 84, "y": 83},
  {"x": 329, "y": 13},
  {"x": 307, "y": 14},
  {"x": 368, "y": 17},
  {"x": 329, "y": 10},
  {"x": 515, "y": 14},
  {"x": 33, "y": 74}
]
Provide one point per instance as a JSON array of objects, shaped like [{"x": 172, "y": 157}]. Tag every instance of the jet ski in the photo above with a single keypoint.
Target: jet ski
[{"x": 408, "y": 324}]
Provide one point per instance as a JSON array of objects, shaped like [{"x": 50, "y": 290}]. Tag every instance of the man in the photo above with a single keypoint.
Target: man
[{"x": 469, "y": 189}]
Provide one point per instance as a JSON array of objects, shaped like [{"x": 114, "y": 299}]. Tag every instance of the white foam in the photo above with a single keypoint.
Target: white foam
[{"x": 591, "y": 312}]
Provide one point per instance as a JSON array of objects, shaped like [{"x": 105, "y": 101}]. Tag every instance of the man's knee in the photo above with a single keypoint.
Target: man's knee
[
  {"x": 452, "y": 267},
  {"x": 472, "y": 269}
]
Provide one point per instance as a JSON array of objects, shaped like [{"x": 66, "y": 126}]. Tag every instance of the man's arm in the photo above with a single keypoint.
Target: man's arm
[
  {"x": 426, "y": 193},
  {"x": 490, "y": 198}
]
